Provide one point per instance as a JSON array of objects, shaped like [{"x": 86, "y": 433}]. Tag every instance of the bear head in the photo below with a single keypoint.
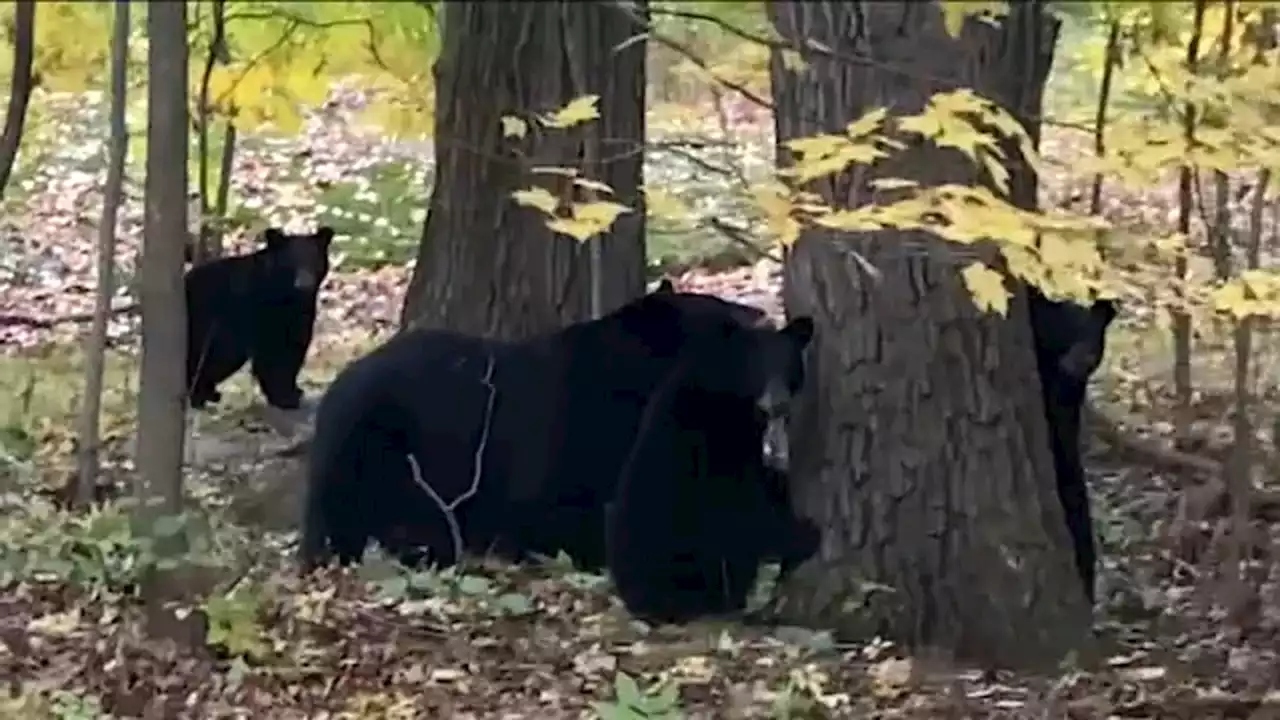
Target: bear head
[
  {"x": 298, "y": 262},
  {"x": 759, "y": 363},
  {"x": 1072, "y": 337}
]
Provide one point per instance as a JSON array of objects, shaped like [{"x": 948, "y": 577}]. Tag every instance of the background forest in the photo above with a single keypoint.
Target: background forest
[{"x": 774, "y": 172}]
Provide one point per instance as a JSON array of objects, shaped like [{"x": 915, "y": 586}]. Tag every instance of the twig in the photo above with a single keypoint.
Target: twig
[{"x": 449, "y": 509}]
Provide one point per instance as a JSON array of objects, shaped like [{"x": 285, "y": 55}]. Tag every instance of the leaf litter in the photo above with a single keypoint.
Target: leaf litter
[{"x": 541, "y": 642}]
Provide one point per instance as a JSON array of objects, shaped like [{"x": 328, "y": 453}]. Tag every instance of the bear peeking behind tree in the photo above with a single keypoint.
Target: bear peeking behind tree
[{"x": 258, "y": 308}]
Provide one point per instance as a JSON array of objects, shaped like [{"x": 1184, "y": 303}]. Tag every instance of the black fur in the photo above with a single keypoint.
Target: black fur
[
  {"x": 697, "y": 509},
  {"x": 564, "y": 409},
  {"x": 1070, "y": 342},
  {"x": 258, "y": 308}
]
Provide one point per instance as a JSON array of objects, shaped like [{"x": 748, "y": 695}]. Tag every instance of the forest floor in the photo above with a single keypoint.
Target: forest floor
[{"x": 542, "y": 642}]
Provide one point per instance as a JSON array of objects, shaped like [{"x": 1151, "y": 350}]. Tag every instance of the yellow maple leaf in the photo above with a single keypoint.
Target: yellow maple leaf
[
  {"x": 577, "y": 111},
  {"x": 576, "y": 229},
  {"x": 602, "y": 212},
  {"x": 867, "y": 124},
  {"x": 987, "y": 288},
  {"x": 816, "y": 147},
  {"x": 513, "y": 126},
  {"x": 953, "y": 16},
  {"x": 538, "y": 198}
]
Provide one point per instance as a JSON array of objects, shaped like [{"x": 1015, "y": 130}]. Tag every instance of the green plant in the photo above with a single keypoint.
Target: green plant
[
  {"x": 393, "y": 582},
  {"x": 235, "y": 623},
  {"x": 660, "y": 701}
]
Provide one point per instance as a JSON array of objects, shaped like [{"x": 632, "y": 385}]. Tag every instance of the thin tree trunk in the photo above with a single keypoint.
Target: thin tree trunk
[
  {"x": 1182, "y": 387},
  {"x": 225, "y": 167},
  {"x": 24, "y": 29},
  {"x": 161, "y": 400},
  {"x": 487, "y": 266},
  {"x": 217, "y": 55},
  {"x": 96, "y": 347},
  {"x": 921, "y": 443},
  {"x": 1220, "y": 235}
]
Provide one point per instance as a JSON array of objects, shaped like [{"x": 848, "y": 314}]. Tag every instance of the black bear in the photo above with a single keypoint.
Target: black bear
[
  {"x": 697, "y": 508},
  {"x": 258, "y": 308},
  {"x": 1070, "y": 341},
  {"x": 437, "y": 440}
]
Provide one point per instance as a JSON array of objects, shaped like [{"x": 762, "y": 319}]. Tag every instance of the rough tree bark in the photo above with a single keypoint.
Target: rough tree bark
[
  {"x": 24, "y": 31},
  {"x": 96, "y": 345},
  {"x": 487, "y": 266},
  {"x": 163, "y": 303},
  {"x": 921, "y": 444}
]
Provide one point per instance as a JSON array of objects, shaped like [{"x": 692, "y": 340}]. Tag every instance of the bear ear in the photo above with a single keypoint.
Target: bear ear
[
  {"x": 800, "y": 331},
  {"x": 665, "y": 286},
  {"x": 324, "y": 236},
  {"x": 274, "y": 237}
]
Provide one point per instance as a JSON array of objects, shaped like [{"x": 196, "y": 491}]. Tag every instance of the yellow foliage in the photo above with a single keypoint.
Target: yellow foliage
[
  {"x": 537, "y": 198},
  {"x": 824, "y": 155},
  {"x": 262, "y": 93},
  {"x": 987, "y": 288},
  {"x": 774, "y": 199},
  {"x": 588, "y": 219},
  {"x": 67, "y": 57},
  {"x": 1255, "y": 293},
  {"x": 954, "y": 12},
  {"x": 746, "y": 64},
  {"x": 576, "y": 112},
  {"x": 514, "y": 127}
]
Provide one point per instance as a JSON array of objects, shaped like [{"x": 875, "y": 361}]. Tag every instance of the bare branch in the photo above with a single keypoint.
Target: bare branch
[{"x": 450, "y": 509}]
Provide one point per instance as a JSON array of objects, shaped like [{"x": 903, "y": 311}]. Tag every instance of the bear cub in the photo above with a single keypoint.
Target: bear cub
[
  {"x": 698, "y": 509},
  {"x": 258, "y": 308},
  {"x": 1070, "y": 341}
]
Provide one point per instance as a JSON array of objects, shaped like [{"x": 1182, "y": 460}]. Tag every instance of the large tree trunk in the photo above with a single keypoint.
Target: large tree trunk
[
  {"x": 921, "y": 444},
  {"x": 487, "y": 266}
]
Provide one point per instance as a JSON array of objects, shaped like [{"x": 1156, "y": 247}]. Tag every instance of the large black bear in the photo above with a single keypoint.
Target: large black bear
[
  {"x": 521, "y": 442},
  {"x": 1070, "y": 341},
  {"x": 259, "y": 307},
  {"x": 698, "y": 509}
]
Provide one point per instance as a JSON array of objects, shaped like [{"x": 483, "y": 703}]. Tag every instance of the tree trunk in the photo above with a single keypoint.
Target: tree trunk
[
  {"x": 161, "y": 399},
  {"x": 96, "y": 346},
  {"x": 218, "y": 55},
  {"x": 486, "y": 265},
  {"x": 24, "y": 31},
  {"x": 920, "y": 444}
]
